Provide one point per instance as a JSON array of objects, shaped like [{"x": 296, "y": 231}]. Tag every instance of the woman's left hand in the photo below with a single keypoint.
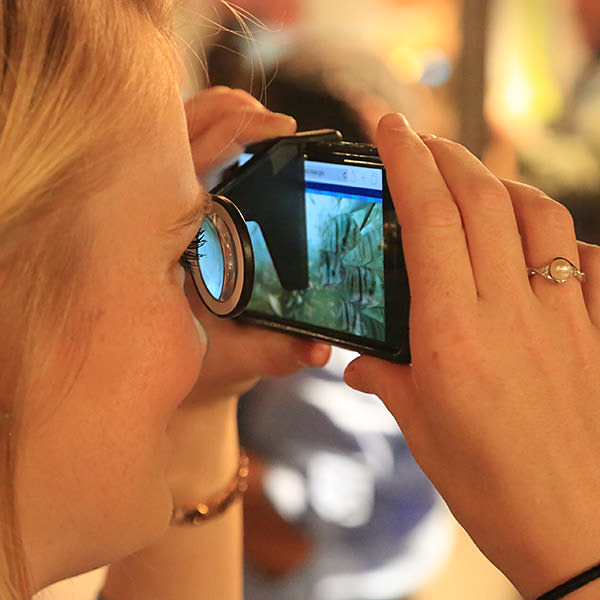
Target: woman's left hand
[
  {"x": 239, "y": 355},
  {"x": 222, "y": 121}
]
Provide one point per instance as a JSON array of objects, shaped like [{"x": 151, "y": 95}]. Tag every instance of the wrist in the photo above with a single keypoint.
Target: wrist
[
  {"x": 555, "y": 540},
  {"x": 581, "y": 585},
  {"x": 213, "y": 506},
  {"x": 572, "y": 583},
  {"x": 587, "y": 588},
  {"x": 589, "y": 592},
  {"x": 204, "y": 450}
]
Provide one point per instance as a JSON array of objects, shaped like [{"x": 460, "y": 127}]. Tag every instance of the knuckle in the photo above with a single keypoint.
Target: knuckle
[
  {"x": 406, "y": 144},
  {"x": 531, "y": 197},
  {"x": 449, "y": 144},
  {"x": 219, "y": 89},
  {"x": 487, "y": 194},
  {"x": 558, "y": 216},
  {"x": 240, "y": 93},
  {"x": 436, "y": 214},
  {"x": 397, "y": 147},
  {"x": 537, "y": 203},
  {"x": 491, "y": 196},
  {"x": 245, "y": 97},
  {"x": 234, "y": 99},
  {"x": 591, "y": 250}
]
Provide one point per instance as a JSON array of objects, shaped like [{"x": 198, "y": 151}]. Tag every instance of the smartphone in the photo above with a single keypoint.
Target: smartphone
[{"x": 326, "y": 242}]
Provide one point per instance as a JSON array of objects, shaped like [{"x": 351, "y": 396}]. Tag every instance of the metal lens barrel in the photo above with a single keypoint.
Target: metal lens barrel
[
  {"x": 211, "y": 257},
  {"x": 224, "y": 274}
]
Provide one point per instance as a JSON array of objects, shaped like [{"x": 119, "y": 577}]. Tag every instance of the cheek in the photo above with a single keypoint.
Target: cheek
[
  {"x": 178, "y": 348},
  {"x": 104, "y": 443},
  {"x": 148, "y": 351}
]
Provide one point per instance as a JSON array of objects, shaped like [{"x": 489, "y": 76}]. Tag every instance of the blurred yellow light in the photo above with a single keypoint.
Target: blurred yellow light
[
  {"x": 518, "y": 93},
  {"x": 406, "y": 63}
]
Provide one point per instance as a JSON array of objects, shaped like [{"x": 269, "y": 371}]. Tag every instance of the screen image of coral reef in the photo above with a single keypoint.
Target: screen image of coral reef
[{"x": 345, "y": 265}]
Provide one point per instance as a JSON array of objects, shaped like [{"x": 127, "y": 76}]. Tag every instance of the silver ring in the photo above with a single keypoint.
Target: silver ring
[{"x": 558, "y": 271}]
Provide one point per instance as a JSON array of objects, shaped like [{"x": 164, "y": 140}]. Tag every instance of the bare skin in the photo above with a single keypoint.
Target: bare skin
[
  {"x": 203, "y": 431},
  {"x": 138, "y": 418},
  {"x": 500, "y": 405}
]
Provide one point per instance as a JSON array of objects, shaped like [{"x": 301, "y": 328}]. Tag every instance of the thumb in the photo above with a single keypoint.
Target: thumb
[{"x": 391, "y": 382}]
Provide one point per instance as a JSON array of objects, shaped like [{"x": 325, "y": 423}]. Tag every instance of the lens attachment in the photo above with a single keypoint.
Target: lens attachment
[{"x": 224, "y": 270}]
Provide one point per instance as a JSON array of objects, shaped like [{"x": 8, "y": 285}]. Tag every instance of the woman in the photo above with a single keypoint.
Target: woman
[
  {"x": 100, "y": 349},
  {"x": 99, "y": 202}
]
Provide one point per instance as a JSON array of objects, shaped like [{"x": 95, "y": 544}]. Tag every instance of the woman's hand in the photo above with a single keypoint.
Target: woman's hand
[
  {"x": 203, "y": 430},
  {"x": 239, "y": 355},
  {"x": 222, "y": 121},
  {"x": 501, "y": 406}
]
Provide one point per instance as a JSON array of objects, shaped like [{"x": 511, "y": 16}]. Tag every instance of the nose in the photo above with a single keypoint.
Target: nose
[{"x": 204, "y": 341}]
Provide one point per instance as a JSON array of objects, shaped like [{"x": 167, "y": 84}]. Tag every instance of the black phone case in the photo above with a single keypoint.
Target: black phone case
[{"x": 321, "y": 144}]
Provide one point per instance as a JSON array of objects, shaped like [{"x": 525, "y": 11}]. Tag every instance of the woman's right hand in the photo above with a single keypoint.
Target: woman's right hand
[{"x": 501, "y": 405}]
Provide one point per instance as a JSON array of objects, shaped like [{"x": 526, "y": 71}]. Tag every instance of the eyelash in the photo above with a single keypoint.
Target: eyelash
[{"x": 190, "y": 254}]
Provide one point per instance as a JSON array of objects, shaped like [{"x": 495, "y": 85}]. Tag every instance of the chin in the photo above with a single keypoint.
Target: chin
[
  {"x": 146, "y": 520},
  {"x": 118, "y": 537}
]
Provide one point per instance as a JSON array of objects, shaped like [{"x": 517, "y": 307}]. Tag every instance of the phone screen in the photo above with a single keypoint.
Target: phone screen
[
  {"x": 343, "y": 232},
  {"x": 326, "y": 249}
]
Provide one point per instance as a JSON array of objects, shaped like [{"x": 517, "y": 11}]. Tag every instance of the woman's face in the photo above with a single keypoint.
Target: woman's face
[{"x": 91, "y": 473}]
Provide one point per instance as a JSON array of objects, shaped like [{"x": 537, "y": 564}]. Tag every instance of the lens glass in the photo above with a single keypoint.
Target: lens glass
[{"x": 211, "y": 260}]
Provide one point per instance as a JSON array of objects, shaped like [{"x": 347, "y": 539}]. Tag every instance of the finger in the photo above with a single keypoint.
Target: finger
[
  {"x": 435, "y": 248},
  {"x": 318, "y": 354},
  {"x": 227, "y": 137},
  {"x": 488, "y": 219},
  {"x": 237, "y": 350},
  {"x": 547, "y": 232},
  {"x": 392, "y": 383},
  {"x": 243, "y": 350},
  {"x": 210, "y": 105},
  {"x": 589, "y": 255}
]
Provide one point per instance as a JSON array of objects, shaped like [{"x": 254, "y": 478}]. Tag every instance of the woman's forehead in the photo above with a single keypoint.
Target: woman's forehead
[{"x": 155, "y": 175}]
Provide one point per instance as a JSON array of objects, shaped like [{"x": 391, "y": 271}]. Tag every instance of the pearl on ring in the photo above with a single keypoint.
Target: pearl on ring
[{"x": 558, "y": 271}]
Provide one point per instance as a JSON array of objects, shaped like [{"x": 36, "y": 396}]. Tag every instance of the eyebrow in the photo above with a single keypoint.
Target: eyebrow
[{"x": 196, "y": 213}]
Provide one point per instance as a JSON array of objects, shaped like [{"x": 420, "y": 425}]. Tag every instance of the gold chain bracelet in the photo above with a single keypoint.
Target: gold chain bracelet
[{"x": 220, "y": 502}]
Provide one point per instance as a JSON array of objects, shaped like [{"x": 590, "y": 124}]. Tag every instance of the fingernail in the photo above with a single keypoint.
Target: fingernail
[
  {"x": 351, "y": 377},
  {"x": 395, "y": 122},
  {"x": 283, "y": 116},
  {"x": 316, "y": 355},
  {"x": 428, "y": 137}
]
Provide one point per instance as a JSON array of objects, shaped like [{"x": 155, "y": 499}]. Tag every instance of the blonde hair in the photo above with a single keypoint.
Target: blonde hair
[{"x": 75, "y": 75}]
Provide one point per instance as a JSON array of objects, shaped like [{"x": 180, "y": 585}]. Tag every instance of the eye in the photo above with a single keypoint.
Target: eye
[{"x": 191, "y": 255}]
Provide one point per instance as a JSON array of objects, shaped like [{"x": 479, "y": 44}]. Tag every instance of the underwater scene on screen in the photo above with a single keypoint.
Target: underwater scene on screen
[{"x": 345, "y": 264}]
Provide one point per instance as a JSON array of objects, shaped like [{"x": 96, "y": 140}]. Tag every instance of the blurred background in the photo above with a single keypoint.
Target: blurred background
[
  {"x": 337, "y": 509},
  {"x": 515, "y": 80}
]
